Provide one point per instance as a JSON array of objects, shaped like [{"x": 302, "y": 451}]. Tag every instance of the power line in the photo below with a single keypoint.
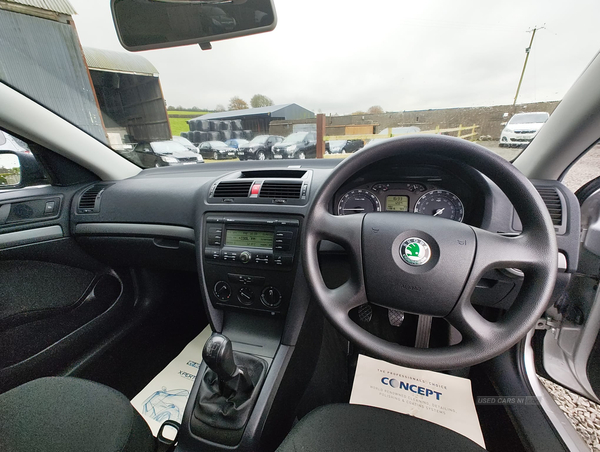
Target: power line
[{"x": 527, "y": 52}]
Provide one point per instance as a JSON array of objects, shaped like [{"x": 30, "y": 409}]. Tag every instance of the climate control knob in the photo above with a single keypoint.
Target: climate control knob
[
  {"x": 270, "y": 297},
  {"x": 246, "y": 295},
  {"x": 222, "y": 291},
  {"x": 245, "y": 257}
]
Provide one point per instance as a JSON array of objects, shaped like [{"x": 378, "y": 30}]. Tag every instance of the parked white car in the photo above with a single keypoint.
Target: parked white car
[
  {"x": 10, "y": 143},
  {"x": 522, "y": 128},
  {"x": 189, "y": 146}
]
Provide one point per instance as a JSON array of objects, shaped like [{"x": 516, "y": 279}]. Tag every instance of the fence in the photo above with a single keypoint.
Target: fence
[{"x": 458, "y": 130}]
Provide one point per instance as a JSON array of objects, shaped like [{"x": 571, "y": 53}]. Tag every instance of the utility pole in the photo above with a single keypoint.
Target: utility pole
[{"x": 527, "y": 51}]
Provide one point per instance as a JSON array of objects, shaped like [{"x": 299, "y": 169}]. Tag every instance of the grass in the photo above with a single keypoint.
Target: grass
[
  {"x": 178, "y": 125},
  {"x": 178, "y": 112}
]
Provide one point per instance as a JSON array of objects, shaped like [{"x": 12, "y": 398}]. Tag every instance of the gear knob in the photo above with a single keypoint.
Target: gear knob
[{"x": 218, "y": 355}]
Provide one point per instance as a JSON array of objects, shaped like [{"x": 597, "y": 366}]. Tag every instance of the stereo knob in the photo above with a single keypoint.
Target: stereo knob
[
  {"x": 245, "y": 257},
  {"x": 270, "y": 297},
  {"x": 222, "y": 291}
]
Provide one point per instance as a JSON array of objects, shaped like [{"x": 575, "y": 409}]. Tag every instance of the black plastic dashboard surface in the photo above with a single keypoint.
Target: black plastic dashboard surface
[{"x": 179, "y": 196}]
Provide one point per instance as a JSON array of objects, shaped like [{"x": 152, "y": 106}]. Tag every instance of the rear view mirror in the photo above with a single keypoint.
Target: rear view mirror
[
  {"x": 10, "y": 171},
  {"x": 157, "y": 24}
]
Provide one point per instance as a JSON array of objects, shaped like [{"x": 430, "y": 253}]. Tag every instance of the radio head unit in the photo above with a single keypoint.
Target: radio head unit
[
  {"x": 248, "y": 260},
  {"x": 251, "y": 241}
]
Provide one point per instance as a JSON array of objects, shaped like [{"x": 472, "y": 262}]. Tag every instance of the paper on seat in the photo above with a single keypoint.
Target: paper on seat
[{"x": 439, "y": 398}]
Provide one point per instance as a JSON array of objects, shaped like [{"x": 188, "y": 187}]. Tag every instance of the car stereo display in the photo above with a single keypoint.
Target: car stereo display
[
  {"x": 249, "y": 239},
  {"x": 396, "y": 203}
]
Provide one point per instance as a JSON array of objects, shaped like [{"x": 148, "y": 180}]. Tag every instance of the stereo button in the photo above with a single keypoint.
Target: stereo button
[{"x": 245, "y": 257}]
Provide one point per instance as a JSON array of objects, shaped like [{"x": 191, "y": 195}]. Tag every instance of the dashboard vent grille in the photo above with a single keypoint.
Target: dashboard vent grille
[
  {"x": 233, "y": 189},
  {"x": 89, "y": 202},
  {"x": 281, "y": 190},
  {"x": 552, "y": 200}
]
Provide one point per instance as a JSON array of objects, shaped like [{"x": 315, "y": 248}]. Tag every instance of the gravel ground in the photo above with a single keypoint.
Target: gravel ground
[
  {"x": 581, "y": 412},
  {"x": 586, "y": 169}
]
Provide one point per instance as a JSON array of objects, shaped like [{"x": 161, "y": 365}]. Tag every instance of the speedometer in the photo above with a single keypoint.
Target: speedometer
[
  {"x": 441, "y": 203},
  {"x": 358, "y": 201}
]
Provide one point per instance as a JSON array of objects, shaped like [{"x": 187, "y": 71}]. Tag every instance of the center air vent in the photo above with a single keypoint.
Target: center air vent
[
  {"x": 89, "y": 202},
  {"x": 281, "y": 190},
  {"x": 552, "y": 200},
  {"x": 233, "y": 189}
]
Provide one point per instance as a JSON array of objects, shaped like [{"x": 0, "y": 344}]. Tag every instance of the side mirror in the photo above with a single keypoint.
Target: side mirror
[
  {"x": 10, "y": 170},
  {"x": 19, "y": 169}
]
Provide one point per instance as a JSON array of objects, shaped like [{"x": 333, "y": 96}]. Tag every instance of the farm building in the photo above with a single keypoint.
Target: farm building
[
  {"x": 129, "y": 95},
  {"x": 258, "y": 119},
  {"x": 54, "y": 71},
  {"x": 117, "y": 98}
]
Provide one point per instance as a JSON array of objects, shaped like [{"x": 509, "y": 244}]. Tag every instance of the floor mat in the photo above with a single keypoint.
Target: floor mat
[{"x": 166, "y": 395}]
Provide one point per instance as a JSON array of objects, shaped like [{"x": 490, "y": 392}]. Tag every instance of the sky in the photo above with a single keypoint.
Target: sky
[{"x": 338, "y": 57}]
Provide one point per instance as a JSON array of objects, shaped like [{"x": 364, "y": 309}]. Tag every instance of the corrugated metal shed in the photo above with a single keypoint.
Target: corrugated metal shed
[
  {"x": 284, "y": 111},
  {"x": 42, "y": 58},
  {"x": 57, "y": 6},
  {"x": 124, "y": 62}
]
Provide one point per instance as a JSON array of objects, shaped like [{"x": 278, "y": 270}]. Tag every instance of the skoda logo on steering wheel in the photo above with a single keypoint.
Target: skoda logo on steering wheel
[{"x": 415, "y": 251}]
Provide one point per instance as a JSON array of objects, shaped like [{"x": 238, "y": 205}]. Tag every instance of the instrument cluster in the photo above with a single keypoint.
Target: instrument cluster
[{"x": 423, "y": 198}]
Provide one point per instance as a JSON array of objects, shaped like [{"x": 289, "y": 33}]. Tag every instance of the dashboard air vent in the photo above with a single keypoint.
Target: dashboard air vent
[
  {"x": 89, "y": 202},
  {"x": 552, "y": 200},
  {"x": 281, "y": 190},
  {"x": 233, "y": 189}
]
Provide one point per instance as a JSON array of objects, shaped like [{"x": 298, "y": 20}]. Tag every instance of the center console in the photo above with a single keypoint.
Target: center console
[
  {"x": 249, "y": 260},
  {"x": 250, "y": 373}
]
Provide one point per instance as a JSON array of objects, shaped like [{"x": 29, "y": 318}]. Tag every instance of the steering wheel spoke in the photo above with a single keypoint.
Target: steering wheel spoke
[
  {"x": 348, "y": 296},
  {"x": 501, "y": 251},
  {"x": 470, "y": 324},
  {"x": 345, "y": 230}
]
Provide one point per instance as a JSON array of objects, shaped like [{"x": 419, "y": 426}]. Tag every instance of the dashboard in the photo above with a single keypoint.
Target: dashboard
[{"x": 244, "y": 244}]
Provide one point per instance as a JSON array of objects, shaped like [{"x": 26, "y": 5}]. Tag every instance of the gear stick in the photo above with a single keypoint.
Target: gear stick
[
  {"x": 218, "y": 356},
  {"x": 228, "y": 390}
]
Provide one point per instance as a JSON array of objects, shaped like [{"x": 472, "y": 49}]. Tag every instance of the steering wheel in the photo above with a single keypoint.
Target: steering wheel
[{"x": 430, "y": 266}]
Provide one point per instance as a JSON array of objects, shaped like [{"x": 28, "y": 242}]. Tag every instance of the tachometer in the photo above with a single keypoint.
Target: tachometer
[
  {"x": 358, "y": 201},
  {"x": 441, "y": 203}
]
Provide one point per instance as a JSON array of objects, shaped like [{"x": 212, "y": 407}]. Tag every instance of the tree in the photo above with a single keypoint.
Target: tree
[
  {"x": 260, "y": 100},
  {"x": 358, "y": 113},
  {"x": 220, "y": 108},
  {"x": 236, "y": 103},
  {"x": 375, "y": 110}
]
